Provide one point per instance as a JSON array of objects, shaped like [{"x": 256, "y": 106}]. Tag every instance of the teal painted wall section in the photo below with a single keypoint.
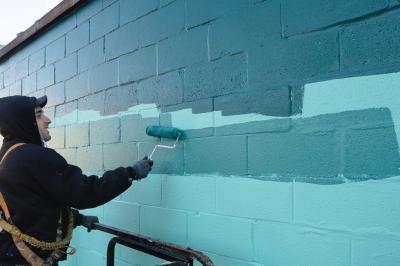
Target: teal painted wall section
[{"x": 291, "y": 121}]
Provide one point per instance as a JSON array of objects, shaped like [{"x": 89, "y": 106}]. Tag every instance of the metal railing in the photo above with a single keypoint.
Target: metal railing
[{"x": 175, "y": 255}]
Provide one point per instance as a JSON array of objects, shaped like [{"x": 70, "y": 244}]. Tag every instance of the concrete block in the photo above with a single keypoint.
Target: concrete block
[
  {"x": 4, "y": 92},
  {"x": 121, "y": 98},
  {"x": 169, "y": 161},
  {"x": 122, "y": 215},
  {"x": 285, "y": 244},
  {"x": 45, "y": 77},
  {"x": 133, "y": 128},
  {"x": 91, "y": 55},
  {"x": 165, "y": 2},
  {"x": 371, "y": 153},
  {"x": 222, "y": 155},
  {"x": 65, "y": 114},
  {"x": 55, "y": 94},
  {"x": 92, "y": 102},
  {"x": 107, "y": 3},
  {"x": 361, "y": 52},
  {"x": 228, "y": 34},
  {"x": 66, "y": 68},
  {"x": 138, "y": 65},
  {"x": 9, "y": 76},
  {"x": 122, "y": 40},
  {"x": 254, "y": 199},
  {"x": 376, "y": 252},
  {"x": 16, "y": 88},
  {"x": 128, "y": 254},
  {"x": 36, "y": 61},
  {"x": 200, "y": 12},
  {"x": 105, "y": 131},
  {"x": 55, "y": 51},
  {"x": 163, "y": 23},
  {"x": 196, "y": 107},
  {"x": 146, "y": 191},
  {"x": 225, "y": 76},
  {"x": 103, "y": 76},
  {"x": 88, "y": 10},
  {"x": 77, "y": 87},
  {"x": 297, "y": 98},
  {"x": 294, "y": 154},
  {"x": 104, "y": 22},
  {"x": 90, "y": 159},
  {"x": 196, "y": 119},
  {"x": 173, "y": 226},
  {"x": 120, "y": 154},
  {"x": 163, "y": 90},
  {"x": 70, "y": 155},
  {"x": 274, "y": 125},
  {"x": 77, "y": 135},
  {"x": 66, "y": 108},
  {"x": 57, "y": 138},
  {"x": 131, "y": 10},
  {"x": 38, "y": 93},
  {"x": 194, "y": 193},
  {"x": 77, "y": 38},
  {"x": 222, "y": 235},
  {"x": 323, "y": 13},
  {"x": 265, "y": 102},
  {"x": 293, "y": 60},
  {"x": 246, "y": 27},
  {"x": 182, "y": 50},
  {"x": 29, "y": 84},
  {"x": 88, "y": 257},
  {"x": 224, "y": 260},
  {"x": 21, "y": 69},
  {"x": 369, "y": 207},
  {"x": 356, "y": 119},
  {"x": 60, "y": 29},
  {"x": 95, "y": 242}
]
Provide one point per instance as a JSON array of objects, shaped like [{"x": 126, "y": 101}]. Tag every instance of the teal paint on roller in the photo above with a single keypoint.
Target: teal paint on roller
[{"x": 163, "y": 132}]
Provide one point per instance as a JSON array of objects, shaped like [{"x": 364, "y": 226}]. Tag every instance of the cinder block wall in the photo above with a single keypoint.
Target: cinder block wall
[{"x": 291, "y": 116}]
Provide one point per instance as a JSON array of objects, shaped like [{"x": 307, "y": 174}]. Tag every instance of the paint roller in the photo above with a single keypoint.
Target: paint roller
[{"x": 164, "y": 132}]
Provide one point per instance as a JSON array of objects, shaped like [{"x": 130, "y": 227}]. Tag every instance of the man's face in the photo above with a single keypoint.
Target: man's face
[{"x": 43, "y": 123}]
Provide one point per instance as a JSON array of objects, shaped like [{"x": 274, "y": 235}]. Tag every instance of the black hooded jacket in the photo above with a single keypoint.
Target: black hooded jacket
[{"x": 37, "y": 182}]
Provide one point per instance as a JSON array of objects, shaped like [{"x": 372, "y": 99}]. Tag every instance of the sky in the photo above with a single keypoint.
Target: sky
[{"x": 18, "y": 15}]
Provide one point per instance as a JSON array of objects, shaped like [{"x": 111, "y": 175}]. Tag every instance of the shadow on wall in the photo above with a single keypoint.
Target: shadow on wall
[{"x": 326, "y": 149}]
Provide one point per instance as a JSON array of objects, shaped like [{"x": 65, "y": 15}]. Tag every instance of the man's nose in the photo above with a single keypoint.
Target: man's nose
[{"x": 47, "y": 120}]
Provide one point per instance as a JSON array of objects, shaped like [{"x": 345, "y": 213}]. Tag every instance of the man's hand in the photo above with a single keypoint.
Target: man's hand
[
  {"x": 142, "y": 168},
  {"x": 88, "y": 221}
]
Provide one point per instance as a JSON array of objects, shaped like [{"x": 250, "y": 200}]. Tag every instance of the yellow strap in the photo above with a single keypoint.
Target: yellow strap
[
  {"x": 20, "y": 238},
  {"x": 4, "y": 207},
  {"x": 15, "y": 233},
  {"x": 11, "y": 149},
  {"x": 3, "y": 204},
  {"x": 31, "y": 257}
]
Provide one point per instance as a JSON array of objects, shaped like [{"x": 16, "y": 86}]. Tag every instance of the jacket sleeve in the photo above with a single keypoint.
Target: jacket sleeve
[
  {"x": 77, "y": 217},
  {"x": 67, "y": 184}
]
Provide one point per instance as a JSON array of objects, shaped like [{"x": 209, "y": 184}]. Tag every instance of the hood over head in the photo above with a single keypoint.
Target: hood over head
[{"x": 17, "y": 118}]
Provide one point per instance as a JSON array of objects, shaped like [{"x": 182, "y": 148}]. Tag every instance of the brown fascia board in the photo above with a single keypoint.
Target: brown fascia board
[{"x": 50, "y": 18}]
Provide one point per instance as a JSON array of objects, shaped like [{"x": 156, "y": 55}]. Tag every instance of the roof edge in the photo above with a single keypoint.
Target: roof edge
[{"x": 41, "y": 25}]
